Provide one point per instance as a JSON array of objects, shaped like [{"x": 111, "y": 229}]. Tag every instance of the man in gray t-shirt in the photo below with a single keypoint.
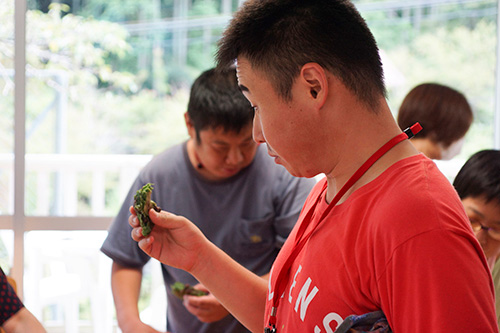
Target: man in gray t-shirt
[{"x": 225, "y": 183}]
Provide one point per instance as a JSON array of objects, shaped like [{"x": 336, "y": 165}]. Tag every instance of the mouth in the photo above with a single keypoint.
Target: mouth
[
  {"x": 231, "y": 170},
  {"x": 274, "y": 156},
  {"x": 271, "y": 153}
]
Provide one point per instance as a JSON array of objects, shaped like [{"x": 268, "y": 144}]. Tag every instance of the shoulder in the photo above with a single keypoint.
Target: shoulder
[
  {"x": 171, "y": 160},
  {"x": 410, "y": 198},
  {"x": 414, "y": 186}
]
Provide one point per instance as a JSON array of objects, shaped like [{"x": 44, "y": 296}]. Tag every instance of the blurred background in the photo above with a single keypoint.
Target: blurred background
[{"x": 91, "y": 89}]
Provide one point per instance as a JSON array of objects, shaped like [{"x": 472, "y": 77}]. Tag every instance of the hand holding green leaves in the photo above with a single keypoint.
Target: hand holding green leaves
[
  {"x": 180, "y": 289},
  {"x": 142, "y": 205}
]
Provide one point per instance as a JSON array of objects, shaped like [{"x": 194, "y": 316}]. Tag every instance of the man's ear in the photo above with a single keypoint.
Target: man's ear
[
  {"x": 190, "y": 126},
  {"x": 316, "y": 81}
]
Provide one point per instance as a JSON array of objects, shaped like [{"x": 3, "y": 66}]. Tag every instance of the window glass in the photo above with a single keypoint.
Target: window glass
[
  {"x": 447, "y": 42},
  {"x": 114, "y": 86},
  {"x": 7, "y": 107},
  {"x": 6, "y": 250},
  {"x": 67, "y": 280},
  {"x": 67, "y": 283}
]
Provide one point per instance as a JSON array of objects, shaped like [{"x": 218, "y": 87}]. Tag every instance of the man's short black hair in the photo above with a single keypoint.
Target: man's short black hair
[
  {"x": 279, "y": 36},
  {"x": 480, "y": 176},
  {"x": 217, "y": 102}
]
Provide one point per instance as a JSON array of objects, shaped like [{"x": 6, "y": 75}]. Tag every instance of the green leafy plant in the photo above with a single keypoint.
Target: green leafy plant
[
  {"x": 180, "y": 289},
  {"x": 142, "y": 206}
]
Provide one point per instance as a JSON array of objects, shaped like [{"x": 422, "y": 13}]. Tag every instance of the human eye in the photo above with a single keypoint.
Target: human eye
[
  {"x": 475, "y": 223},
  {"x": 247, "y": 144},
  {"x": 220, "y": 148},
  {"x": 496, "y": 229}
]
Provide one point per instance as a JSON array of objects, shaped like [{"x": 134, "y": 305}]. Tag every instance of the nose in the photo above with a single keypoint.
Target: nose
[
  {"x": 257, "y": 134},
  {"x": 234, "y": 156}
]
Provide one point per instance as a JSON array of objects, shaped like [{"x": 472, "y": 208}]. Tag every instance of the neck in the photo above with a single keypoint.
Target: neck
[
  {"x": 193, "y": 157},
  {"x": 372, "y": 134},
  {"x": 427, "y": 147}
]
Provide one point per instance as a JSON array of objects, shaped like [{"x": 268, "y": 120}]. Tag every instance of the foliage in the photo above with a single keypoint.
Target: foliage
[
  {"x": 180, "y": 289},
  {"x": 62, "y": 65},
  {"x": 82, "y": 53},
  {"x": 142, "y": 206},
  {"x": 138, "y": 124}
]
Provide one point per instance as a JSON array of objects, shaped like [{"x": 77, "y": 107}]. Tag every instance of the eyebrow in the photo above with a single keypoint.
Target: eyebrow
[
  {"x": 250, "y": 138},
  {"x": 243, "y": 88},
  {"x": 475, "y": 211},
  {"x": 497, "y": 222}
]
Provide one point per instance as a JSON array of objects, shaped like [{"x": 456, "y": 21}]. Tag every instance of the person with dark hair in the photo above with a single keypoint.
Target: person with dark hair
[
  {"x": 478, "y": 186},
  {"x": 223, "y": 180},
  {"x": 384, "y": 233},
  {"x": 445, "y": 116}
]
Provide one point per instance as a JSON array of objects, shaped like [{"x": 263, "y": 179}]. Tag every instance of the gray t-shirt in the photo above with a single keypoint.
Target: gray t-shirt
[{"x": 248, "y": 216}]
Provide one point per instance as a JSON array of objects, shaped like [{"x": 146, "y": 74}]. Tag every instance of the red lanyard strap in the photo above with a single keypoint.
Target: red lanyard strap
[{"x": 301, "y": 240}]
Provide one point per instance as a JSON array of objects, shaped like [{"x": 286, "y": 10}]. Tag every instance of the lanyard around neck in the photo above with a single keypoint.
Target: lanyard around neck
[{"x": 301, "y": 240}]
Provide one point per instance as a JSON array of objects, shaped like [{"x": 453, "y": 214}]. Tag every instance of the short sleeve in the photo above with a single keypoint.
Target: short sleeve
[
  {"x": 10, "y": 304},
  {"x": 423, "y": 284}
]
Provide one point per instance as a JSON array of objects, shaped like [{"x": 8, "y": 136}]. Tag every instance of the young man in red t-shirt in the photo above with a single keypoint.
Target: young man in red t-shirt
[{"x": 384, "y": 231}]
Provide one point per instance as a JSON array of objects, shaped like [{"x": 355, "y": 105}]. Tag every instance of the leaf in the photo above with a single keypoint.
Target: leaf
[
  {"x": 180, "y": 289},
  {"x": 142, "y": 206}
]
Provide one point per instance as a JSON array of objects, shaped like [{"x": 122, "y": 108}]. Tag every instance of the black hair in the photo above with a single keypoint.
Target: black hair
[
  {"x": 279, "y": 36},
  {"x": 480, "y": 176},
  {"x": 216, "y": 101}
]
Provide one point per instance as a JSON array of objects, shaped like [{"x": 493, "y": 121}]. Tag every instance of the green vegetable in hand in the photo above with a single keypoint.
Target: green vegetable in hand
[
  {"x": 142, "y": 205},
  {"x": 180, "y": 289}
]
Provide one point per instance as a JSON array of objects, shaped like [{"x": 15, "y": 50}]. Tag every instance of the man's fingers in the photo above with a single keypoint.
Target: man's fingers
[
  {"x": 134, "y": 221},
  {"x": 201, "y": 287},
  {"x": 165, "y": 219},
  {"x": 195, "y": 301},
  {"x": 145, "y": 244},
  {"x": 136, "y": 234}
]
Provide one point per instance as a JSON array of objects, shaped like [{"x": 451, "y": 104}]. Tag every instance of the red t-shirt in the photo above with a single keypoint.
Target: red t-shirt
[{"x": 401, "y": 244}]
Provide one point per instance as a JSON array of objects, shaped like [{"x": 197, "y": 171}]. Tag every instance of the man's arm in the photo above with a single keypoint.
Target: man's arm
[
  {"x": 177, "y": 242},
  {"x": 126, "y": 287},
  {"x": 23, "y": 321}
]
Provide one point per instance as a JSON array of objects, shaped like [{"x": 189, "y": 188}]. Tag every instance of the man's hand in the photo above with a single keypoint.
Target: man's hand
[
  {"x": 206, "y": 308},
  {"x": 177, "y": 242},
  {"x": 174, "y": 241}
]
